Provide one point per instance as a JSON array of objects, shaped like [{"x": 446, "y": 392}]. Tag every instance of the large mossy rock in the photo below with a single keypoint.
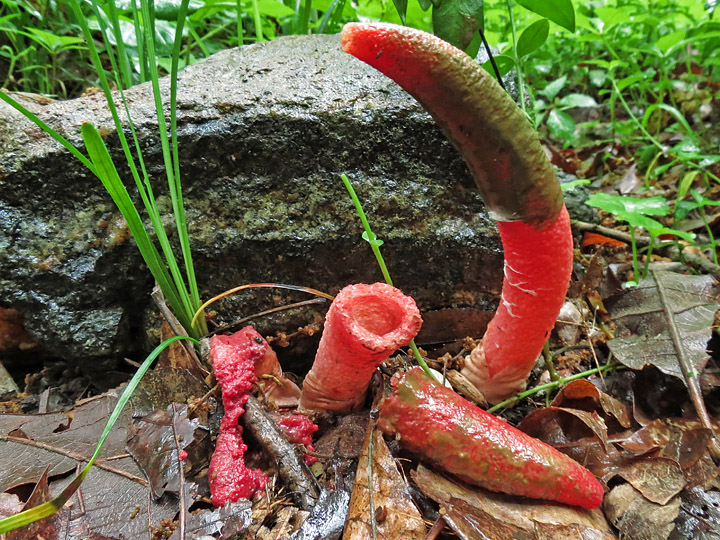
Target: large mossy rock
[{"x": 265, "y": 131}]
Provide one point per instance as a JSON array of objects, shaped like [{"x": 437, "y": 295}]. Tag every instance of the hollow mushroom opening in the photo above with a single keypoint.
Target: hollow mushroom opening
[{"x": 376, "y": 315}]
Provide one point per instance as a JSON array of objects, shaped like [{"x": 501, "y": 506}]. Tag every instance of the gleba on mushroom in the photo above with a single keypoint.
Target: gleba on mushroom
[{"x": 514, "y": 177}]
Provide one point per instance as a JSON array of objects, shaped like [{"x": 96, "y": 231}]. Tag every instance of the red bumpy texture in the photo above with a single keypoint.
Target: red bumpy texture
[
  {"x": 479, "y": 448},
  {"x": 364, "y": 325},
  {"x": 234, "y": 359}
]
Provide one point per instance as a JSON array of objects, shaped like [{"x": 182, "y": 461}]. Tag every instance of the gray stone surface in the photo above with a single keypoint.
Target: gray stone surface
[{"x": 265, "y": 132}]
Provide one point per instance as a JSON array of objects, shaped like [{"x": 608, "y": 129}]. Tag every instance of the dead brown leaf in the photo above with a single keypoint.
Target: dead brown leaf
[
  {"x": 636, "y": 517},
  {"x": 392, "y": 508},
  {"x": 586, "y": 396},
  {"x": 509, "y": 516}
]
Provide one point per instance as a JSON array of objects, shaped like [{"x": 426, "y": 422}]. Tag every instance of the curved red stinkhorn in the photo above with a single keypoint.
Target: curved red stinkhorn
[
  {"x": 479, "y": 448},
  {"x": 364, "y": 325},
  {"x": 514, "y": 177}
]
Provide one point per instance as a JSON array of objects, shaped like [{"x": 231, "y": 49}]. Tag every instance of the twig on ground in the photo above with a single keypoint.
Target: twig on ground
[
  {"x": 291, "y": 467},
  {"x": 688, "y": 369},
  {"x": 696, "y": 261}
]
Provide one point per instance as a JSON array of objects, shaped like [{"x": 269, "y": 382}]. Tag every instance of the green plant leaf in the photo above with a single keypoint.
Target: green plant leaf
[
  {"x": 680, "y": 117},
  {"x": 611, "y": 16},
  {"x": 702, "y": 200},
  {"x": 456, "y": 21},
  {"x": 553, "y": 89},
  {"x": 425, "y": 4},
  {"x": 560, "y": 12},
  {"x": 401, "y": 6},
  {"x": 274, "y": 9},
  {"x": 533, "y": 37},
  {"x": 631, "y": 209},
  {"x": 668, "y": 41},
  {"x": 685, "y": 183},
  {"x": 561, "y": 125},
  {"x": 503, "y": 62},
  {"x": 577, "y": 100},
  {"x": 53, "y": 42}
]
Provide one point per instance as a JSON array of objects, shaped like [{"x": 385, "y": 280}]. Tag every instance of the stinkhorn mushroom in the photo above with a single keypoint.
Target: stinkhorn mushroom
[
  {"x": 479, "y": 448},
  {"x": 364, "y": 325},
  {"x": 514, "y": 177},
  {"x": 238, "y": 361}
]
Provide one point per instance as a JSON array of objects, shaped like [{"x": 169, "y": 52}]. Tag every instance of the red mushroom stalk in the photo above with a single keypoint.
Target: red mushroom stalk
[
  {"x": 514, "y": 177},
  {"x": 479, "y": 448},
  {"x": 364, "y": 325}
]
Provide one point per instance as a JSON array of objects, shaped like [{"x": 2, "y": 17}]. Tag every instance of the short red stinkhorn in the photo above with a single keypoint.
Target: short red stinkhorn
[
  {"x": 479, "y": 448},
  {"x": 515, "y": 178},
  {"x": 364, "y": 325}
]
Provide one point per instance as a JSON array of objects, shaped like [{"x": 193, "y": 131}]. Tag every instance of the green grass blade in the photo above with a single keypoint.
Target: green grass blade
[
  {"x": 375, "y": 244},
  {"x": 181, "y": 303},
  {"x": 47, "y": 129},
  {"x": 46, "y": 509},
  {"x": 108, "y": 175},
  {"x": 257, "y": 21},
  {"x": 123, "y": 58},
  {"x": 148, "y": 36},
  {"x": 142, "y": 57},
  {"x": 179, "y": 211}
]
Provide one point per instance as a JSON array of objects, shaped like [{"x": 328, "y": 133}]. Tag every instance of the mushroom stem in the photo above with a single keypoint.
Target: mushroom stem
[{"x": 364, "y": 325}]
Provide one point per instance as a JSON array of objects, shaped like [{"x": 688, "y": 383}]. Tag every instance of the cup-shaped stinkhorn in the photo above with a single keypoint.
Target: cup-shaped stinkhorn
[
  {"x": 479, "y": 448},
  {"x": 514, "y": 177},
  {"x": 364, "y": 325}
]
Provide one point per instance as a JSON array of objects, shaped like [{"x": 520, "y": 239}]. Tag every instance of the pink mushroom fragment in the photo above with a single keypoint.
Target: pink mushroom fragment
[
  {"x": 364, "y": 325},
  {"x": 238, "y": 360}
]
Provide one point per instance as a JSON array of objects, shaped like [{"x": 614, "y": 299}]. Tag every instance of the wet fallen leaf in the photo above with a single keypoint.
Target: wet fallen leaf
[
  {"x": 225, "y": 522},
  {"x": 154, "y": 448},
  {"x": 678, "y": 439},
  {"x": 636, "y": 517},
  {"x": 510, "y": 516},
  {"x": 658, "y": 479},
  {"x": 52, "y": 527},
  {"x": 640, "y": 315},
  {"x": 565, "y": 428},
  {"x": 699, "y": 515},
  {"x": 586, "y": 396},
  {"x": 115, "y": 500},
  {"x": 392, "y": 509}
]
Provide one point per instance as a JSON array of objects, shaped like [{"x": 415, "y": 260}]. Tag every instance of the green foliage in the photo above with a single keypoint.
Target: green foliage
[{"x": 635, "y": 212}]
